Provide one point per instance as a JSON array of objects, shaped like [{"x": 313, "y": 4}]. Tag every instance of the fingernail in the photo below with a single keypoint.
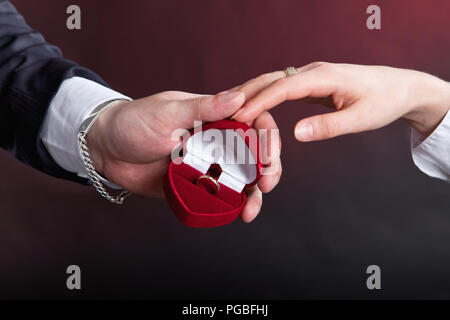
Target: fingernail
[
  {"x": 304, "y": 132},
  {"x": 228, "y": 97},
  {"x": 223, "y": 92},
  {"x": 237, "y": 113}
]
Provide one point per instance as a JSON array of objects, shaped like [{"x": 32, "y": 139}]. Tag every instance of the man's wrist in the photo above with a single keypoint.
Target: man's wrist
[{"x": 97, "y": 137}]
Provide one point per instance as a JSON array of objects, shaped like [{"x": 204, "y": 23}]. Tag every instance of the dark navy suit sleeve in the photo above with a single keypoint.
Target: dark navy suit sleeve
[{"x": 31, "y": 71}]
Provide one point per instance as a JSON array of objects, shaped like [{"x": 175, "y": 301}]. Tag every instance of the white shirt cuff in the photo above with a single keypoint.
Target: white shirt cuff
[
  {"x": 75, "y": 100},
  {"x": 432, "y": 155}
]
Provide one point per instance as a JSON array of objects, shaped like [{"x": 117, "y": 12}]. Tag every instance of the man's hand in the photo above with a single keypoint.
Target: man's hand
[
  {"x": 365, "y": 98},
  {"x": 131, "y": 142}
]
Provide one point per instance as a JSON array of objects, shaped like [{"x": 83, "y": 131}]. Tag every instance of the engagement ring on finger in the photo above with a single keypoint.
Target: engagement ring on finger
[{"x": 290, "y": 71}]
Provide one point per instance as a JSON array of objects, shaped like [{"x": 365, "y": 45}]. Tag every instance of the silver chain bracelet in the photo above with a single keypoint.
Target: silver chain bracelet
[{"x": 84, "y": 151}]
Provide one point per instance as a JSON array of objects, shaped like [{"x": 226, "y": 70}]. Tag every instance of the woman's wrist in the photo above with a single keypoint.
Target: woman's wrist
[{"x": 430, "y": 102}]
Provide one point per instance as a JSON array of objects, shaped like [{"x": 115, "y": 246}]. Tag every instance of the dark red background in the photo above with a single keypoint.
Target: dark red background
[{"x": 341, "y": 205}]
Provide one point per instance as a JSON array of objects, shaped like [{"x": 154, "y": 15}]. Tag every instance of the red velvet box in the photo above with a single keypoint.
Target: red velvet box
[{"x": 233, "y": 161}]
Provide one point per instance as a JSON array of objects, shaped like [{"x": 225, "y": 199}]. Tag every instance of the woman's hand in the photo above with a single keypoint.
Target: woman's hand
[
  {"x": 131, "y": 142},
  {"x": 364, "y": 97}
]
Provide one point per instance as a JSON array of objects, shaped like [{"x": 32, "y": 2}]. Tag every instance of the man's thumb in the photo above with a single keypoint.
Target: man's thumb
[{"x": 214, "y": 108}]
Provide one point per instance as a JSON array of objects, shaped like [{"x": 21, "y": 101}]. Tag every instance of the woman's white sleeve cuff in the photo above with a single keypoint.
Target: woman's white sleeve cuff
[{"x": 432, "y": 155}]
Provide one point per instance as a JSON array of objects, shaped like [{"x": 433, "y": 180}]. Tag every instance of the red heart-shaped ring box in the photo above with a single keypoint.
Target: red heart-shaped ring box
[{"x": 227, "y": 151}]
